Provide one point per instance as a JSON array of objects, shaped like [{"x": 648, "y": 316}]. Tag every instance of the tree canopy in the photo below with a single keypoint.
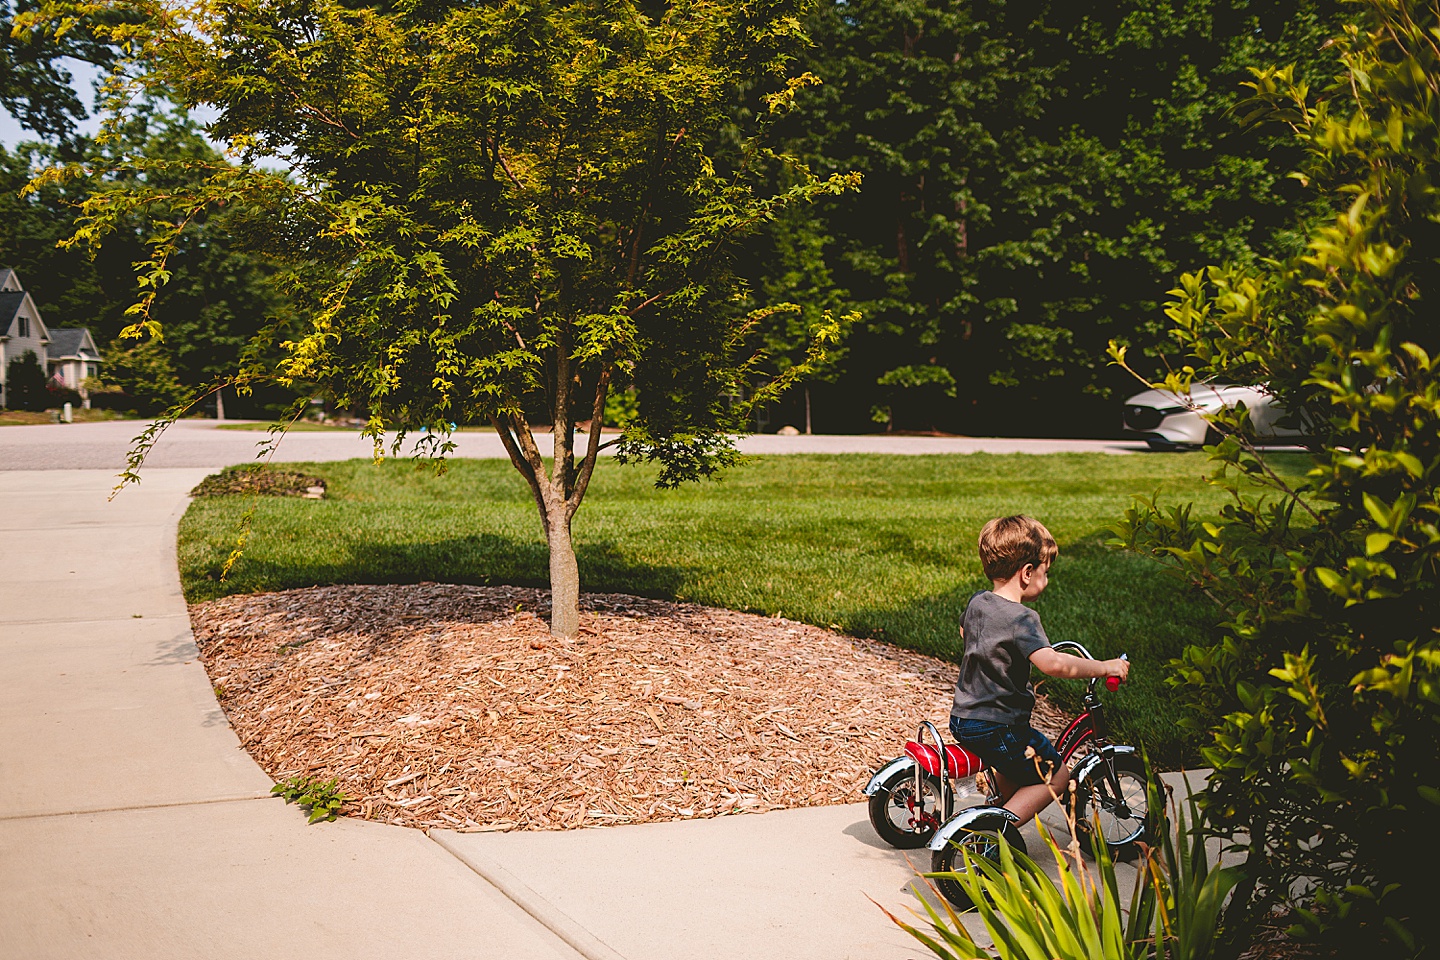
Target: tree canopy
[
  {"x": 218, "y": 296},
  {"x": 35, "y": 85},
  {"x": 494, "y": 211},
  {"x": 1035, "y": 175}
]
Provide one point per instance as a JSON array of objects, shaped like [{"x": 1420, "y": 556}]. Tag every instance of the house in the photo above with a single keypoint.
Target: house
[
  {"x": 67, "y": 355},
  {"x": 73, "y": 358}
]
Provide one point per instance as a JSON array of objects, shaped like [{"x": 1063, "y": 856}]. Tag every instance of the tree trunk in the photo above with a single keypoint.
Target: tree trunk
[
  {"x": 564, "y": 575},
  {"x": 220, "y": 404}
]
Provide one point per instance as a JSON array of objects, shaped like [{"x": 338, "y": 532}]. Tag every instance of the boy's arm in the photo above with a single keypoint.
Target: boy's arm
[{"x": 1055, "y": 664}]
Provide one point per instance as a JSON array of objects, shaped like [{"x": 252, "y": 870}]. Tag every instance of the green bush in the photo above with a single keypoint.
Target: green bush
[
  {"x": 25, "y": 383},
  {"x": 1320, "y": 696}
]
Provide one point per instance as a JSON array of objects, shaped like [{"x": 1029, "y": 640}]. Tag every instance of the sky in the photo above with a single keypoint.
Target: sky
[{"x": 84, "y": 77}]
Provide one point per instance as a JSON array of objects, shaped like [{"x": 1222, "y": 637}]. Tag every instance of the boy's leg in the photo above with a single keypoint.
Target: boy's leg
[
  {"x": 1025, "y": 802},
  {"x": 1004, "y": 786}
]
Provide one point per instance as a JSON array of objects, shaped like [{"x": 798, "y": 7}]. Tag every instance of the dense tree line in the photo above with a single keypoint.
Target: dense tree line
[
  {"x": 1035, "y": 174},
  {"x": 217, "y": 297}
]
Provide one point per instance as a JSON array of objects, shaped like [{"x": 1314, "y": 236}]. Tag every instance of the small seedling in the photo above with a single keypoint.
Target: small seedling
[{"x": 322, "y": 797}]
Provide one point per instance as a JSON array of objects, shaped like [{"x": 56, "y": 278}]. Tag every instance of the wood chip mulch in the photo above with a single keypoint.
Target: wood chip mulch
[
  {"x": 451, "y": 706},
  {"x": 262, "y": 480}
]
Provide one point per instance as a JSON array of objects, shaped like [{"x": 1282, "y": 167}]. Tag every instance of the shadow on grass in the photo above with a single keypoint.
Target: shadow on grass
[{"x": 479, "y": 559}]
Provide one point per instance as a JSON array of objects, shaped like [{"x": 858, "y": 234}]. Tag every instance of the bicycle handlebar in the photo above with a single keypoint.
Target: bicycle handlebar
[{"x": 1113, "y": 683}]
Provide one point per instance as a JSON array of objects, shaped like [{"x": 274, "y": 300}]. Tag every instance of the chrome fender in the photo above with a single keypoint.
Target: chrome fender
[
  {"x": 971, "y": 818},
  {"x": 886, "y": 772},
  {"x": 1087, "y": 768}
]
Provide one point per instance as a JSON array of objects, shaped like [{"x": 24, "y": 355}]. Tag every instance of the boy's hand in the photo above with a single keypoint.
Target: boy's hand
[{"x": 1117, "y": 668}]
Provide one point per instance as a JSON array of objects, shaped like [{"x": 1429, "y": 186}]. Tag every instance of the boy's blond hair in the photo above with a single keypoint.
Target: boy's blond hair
[{"x": 1008, "y": 543}]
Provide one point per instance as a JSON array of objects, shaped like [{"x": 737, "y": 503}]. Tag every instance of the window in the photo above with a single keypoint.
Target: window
[{"x": 25, "y": 326}]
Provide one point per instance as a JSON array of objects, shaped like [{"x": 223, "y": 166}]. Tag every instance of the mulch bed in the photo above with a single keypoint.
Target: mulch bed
[
  {"x": 262, "y": 480},
  {"x": 451, "y": 706}
]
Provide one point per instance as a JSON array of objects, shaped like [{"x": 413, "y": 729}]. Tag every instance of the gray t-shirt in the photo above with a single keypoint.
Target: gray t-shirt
[{"x": 994, "y": 684}]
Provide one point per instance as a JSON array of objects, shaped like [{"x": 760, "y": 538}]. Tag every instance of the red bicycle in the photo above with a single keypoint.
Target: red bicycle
[{"x": 913, "y": 798}]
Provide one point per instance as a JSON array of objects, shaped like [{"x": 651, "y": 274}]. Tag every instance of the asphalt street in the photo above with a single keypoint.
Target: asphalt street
[{"x": 200, "y": 443}]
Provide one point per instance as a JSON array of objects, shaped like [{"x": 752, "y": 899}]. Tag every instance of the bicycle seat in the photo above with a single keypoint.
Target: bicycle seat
[{"x": 959, "y": 762}]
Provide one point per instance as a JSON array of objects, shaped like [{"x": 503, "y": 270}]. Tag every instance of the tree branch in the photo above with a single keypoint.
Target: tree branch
[
  {"x": 524, "y": 465},
  {"x": 562, "y": 425},
  {"x": 592, "y": 446}
]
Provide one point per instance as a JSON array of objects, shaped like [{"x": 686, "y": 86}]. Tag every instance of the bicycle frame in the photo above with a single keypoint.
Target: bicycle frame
[{"x": 1087, "y": 726}]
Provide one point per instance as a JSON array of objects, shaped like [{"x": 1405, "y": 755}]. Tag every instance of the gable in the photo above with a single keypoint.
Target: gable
[
  {"x": 15, "y": 307},
  {"x": 72, "y": 343}
]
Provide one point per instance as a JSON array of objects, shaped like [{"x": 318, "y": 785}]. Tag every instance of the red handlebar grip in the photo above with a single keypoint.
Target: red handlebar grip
[{"x": 1112, "y": 684}]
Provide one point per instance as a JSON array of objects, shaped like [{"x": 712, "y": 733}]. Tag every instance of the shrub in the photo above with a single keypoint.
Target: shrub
[
  {"x": 1320, "y": 694},
  {"x": 25, "y": 383}
]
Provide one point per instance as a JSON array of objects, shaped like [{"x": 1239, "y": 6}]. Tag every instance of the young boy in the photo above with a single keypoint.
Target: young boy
[{"x": 1003, "y": 638}]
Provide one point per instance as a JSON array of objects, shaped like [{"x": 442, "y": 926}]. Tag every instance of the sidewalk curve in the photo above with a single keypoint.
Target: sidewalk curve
[{"x": 132, "y": 824}]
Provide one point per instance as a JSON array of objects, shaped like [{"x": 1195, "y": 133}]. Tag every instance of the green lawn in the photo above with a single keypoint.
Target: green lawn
[
  {"x": 18, "y": 418},
  {"x": 881, "y": 546}
]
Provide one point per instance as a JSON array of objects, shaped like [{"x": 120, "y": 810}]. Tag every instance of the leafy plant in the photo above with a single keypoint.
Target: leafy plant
[
  {"x": 1321, "y": 695},
  {"x": 1030, "y": 916},
  {"x": 1179, "y": 897},
  {"x": 493, "y": 213},
  {"x": 25, "y": 383},
  {"x": 1174, "y": 909},
  {"x": 322, "y": 797}
]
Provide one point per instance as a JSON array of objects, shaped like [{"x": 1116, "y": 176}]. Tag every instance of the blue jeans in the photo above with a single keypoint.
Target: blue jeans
[{"x": 1003, "y": 746}]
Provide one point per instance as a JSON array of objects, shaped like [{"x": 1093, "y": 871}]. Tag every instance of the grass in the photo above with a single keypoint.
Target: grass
[
  {"x": 17, "y": 418},
  {"x": 878, "y": 546}
]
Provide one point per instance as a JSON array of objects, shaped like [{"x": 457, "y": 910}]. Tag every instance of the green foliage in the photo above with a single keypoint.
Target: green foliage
[
  {"x": 1174, "y": 907},
  {"x": 1179, "y": 896},
  {"x": 25, "y": 383},
  {"x": 35, "y": 86},
  {"x": 1321, "y": 699},
  {"x": 144, "y": 374},
  {"x": 1034, "y": 173},
  {"x": 496, "y": 212},
  {"x": 321, "y": 797},
  {"x": 218, "y": 296},
  {"x": 1028, "y": 915}
]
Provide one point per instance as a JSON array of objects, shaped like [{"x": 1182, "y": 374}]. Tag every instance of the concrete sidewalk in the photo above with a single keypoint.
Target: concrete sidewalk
[{"x": 132, "y": 824}]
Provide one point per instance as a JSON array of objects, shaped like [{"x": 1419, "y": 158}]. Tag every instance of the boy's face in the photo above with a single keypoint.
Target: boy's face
[{"x": 1039, "y": 580}]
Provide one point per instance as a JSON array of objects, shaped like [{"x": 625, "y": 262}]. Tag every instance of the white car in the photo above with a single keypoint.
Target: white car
[{"x": 1166, "y": 421}]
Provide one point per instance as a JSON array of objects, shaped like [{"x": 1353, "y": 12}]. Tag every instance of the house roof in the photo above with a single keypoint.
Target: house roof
[
  {"x": 10, "y": 301},
  {"x": 72, "y": 343},
  {"x": 10, "y": 304},
  {"x": 8, "y": 280}
]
